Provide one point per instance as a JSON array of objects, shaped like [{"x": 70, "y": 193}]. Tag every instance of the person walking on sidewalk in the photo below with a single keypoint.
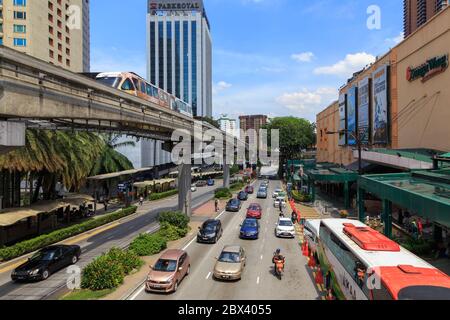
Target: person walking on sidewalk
[
  {"x": 216, "y": 205},
  {"x": 141, "y": 200}
]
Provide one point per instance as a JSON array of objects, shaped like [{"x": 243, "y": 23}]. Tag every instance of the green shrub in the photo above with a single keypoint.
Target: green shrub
[
  {"x": 301, "y": 197},
  {"x": 237, "y": 186},
  {"x": 37, "y": 243},
  {"x": 148, "y": 244},
  {"x": 175, "y": 218},
  {"x": 102, "y": 273},
  {"x": 127, "y": 258},
  {"x": 162, "y": 195},
  {"x": 172, "y": 233},
  {"x": 223, "y": 193},
  {"x": 418, "y": 247}
]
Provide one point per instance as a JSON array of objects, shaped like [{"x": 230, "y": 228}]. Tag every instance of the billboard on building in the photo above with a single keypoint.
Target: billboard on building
[
  {"x": 380, "y": 106},
  {"x": 352, "y": 104},
  {"x": 342, "y": 119},
  {"x": 155, "y": 6},
  {"x": 364, "y": 110}
]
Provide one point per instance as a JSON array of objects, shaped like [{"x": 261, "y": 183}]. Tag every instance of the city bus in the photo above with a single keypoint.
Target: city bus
[
  {"x": 135, "y": 85},
  {"x": 366, "y": 265}
]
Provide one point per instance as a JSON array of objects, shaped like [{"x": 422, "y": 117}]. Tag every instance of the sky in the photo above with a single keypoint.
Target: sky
[{"x": 273, "y": 57}]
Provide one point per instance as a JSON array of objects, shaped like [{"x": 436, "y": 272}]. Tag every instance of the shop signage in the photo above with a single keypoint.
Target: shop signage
[
  {"x": 174, "y": 5},
  {"x": 428, "y": 70}
]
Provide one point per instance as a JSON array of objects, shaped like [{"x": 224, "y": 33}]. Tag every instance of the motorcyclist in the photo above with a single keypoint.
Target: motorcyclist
[
  {"x": 277, "y": 257},
  {"x": 294, "y": 217}
]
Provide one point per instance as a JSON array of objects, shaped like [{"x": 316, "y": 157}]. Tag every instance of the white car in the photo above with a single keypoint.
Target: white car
[
  {"x": 193, "y": 188},
  {"x": 276, "y": 192},
  {"x": 276, "y": 202},
  {"x": 285, "y": 228}
]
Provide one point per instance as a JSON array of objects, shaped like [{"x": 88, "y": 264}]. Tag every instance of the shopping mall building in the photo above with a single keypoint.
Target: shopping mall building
[{"x": 398, "y": 111}]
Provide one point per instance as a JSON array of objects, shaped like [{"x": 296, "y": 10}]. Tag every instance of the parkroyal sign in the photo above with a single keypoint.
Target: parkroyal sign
[
  {"x": 428, "y": 70},
  {"x": 174, "y": 5}
]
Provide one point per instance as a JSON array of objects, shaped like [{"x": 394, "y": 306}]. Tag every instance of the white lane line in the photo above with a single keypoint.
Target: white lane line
[
  {"x": 207, "y": 277},
  {"x": 220, "y": 214},
  {"x": 257, "y": 280},
  {"x": 262, "y": 257}
]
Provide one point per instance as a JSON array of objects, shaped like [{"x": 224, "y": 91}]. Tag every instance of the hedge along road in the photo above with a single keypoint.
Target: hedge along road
[{"x": 120, "y": 236}]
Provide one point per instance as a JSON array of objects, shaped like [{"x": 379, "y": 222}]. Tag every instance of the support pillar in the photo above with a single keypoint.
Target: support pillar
[
  {"x": 347, "y": 195},
  {"x": 226, "y": 176},
  {"x": 184, "y": 189},
  {"x": 361, "y": 205},
  {"x": 387, "y": 217}
]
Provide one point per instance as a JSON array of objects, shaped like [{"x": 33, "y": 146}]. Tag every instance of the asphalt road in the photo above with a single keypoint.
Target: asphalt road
[
  {"x": 119, "y": 236},
  {"x": 258, "y": 281}
]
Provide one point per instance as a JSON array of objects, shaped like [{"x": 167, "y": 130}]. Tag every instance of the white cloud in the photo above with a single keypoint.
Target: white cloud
[
  {"x": 345, "y": 68},
  {"x": 221, "y": 86},
  {"x": 308, "y": 101},
  {"x": 303, "y": 57},
  {"x": 396, "y": 40}
]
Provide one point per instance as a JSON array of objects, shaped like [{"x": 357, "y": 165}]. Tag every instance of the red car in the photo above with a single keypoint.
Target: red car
[
  {"x": 254, "y": 211},
  {"x": 249, "y": 190}
]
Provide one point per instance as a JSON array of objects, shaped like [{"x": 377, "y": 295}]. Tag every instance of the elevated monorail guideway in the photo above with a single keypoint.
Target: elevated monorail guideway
[{"x": 49, "y": 97}]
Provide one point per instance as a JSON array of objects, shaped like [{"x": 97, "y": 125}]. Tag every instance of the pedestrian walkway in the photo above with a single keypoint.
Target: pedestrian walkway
[{"x": 307, "y": 212}]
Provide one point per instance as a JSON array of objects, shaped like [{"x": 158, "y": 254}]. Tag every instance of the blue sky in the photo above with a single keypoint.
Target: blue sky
[{"x": 276, "y": 57}]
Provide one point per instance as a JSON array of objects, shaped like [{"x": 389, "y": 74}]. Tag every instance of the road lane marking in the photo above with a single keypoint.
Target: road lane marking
[
  {"x": 207, "y": 277},
  {"x": 262, "y": 257},
  {"x": 257, "y": 280}
]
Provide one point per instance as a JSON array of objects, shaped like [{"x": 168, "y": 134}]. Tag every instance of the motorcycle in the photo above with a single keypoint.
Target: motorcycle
[{"x": 279, "y": 268}]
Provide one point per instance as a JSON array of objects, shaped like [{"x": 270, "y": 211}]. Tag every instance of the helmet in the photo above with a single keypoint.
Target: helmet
[{"x": 278, "y": 251}]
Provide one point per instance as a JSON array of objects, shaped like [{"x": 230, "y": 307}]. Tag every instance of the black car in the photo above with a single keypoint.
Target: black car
[
  {"x": 234, "y": 205},
  {"x": 243, "y": 196},
  {"x": 47, "y": 261},
  {"x": 210, "y": 232}
]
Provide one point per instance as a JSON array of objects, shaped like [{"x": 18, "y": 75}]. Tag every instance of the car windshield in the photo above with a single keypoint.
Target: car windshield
[
  {"x": 254, "y": 207},
  {"x": 229, "y": 257},
  {"x": 285, "y": 223},
  {"x": 110, "y": 81},
  {"x": 44, "y": 255},
  {"x": 250, "y": 223},
  {"x": 234, "y": 202},
  {"x": 210, "y": 227},
  {"x": 165, "y": 265}
]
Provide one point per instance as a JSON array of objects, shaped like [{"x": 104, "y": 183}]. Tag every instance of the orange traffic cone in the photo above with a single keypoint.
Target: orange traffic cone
[
  {"x": 319, "y": 276},
  {"x": 312, "y": 261},
  {"x": 305, "y": 250}
]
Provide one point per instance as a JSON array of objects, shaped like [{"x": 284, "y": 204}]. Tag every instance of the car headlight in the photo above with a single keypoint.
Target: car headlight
[{"x": 34, "y": 272}]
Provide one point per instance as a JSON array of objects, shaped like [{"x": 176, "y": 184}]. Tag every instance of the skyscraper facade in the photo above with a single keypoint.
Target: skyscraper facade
[
  {"x": 418, "y": 12},
  {"x": 179, "y": 51},
  {"x": 56, "y": 31}
]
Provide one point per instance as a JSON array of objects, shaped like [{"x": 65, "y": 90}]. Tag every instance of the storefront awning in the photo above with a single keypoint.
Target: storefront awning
[
  {"x": 149, "y": 183},
  {"x": 118, "y": 174}
]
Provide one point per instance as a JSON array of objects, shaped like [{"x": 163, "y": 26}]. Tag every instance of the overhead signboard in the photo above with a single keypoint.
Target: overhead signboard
[
  {"x": 342, "y": 119},
  {"x": 352, "y": 104},
  {"x": 380, "y": 106},
  {"x": 155, "y": 6},
  {"x": 364, "y": 110}
]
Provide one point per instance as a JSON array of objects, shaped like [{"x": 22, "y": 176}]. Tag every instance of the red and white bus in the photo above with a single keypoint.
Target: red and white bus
[{"x": 366, "y": 265}]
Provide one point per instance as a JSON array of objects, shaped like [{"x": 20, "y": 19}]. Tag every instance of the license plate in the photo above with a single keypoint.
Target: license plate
[{"x": 156, "y": 286}]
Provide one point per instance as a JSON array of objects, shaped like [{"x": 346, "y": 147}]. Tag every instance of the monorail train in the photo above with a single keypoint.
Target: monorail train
[
  {"x": 366, "y": 265},
  {"x": 135, "y": 85}
]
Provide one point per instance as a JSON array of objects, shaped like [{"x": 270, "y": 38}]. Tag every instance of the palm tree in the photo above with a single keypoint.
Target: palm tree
[{"x": 110, "y": 159}]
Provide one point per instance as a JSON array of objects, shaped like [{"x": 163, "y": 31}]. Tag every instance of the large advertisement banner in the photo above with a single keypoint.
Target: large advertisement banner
[
  {"x": 342, "y": 119},
  {"x": 380, "y": 106},
  {"x": 352, "y": 103},
  {"x": 363, "y": 110}
]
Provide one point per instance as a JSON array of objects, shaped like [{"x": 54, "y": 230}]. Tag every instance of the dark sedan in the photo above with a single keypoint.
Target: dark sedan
[
  {"x": 249, "y": 229},
  {"x": 234, "y": 205},
  {"x": 45, "y": 262},
  {"x": 210, "y": 231},
  {"x": 243, "y": 196}
]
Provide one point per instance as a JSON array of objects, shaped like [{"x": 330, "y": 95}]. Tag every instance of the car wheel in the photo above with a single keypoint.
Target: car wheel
[
  {"x": 74, "y": 259},
  {"x": 175, "y": 288},
  {"x": 216, "y": 239},
  {"x": 45, "y": 275}
]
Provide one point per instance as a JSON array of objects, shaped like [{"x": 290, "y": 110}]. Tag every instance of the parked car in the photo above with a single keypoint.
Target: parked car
[
  {"x": 254, "y": 211},
  {"x": 211, "y": 182},
  {"x": 201, "y": 184},
  {"x": 230, "y": 264},
  {"x": 285, "y": 228},
  {"x": 243, "y": 196},
  {"x": 46, "y": 262},
  {"x": 210, "y": 231},
  {"x": 249, "y": 229},
  {"x": 276, "y": 192},
  {"x": 193, "y": 188},
  {"x": 249, "y": 190},
  {"x": 277, "y": 201},
  {"x": 168, "y": 272},
  {"x": 234, "y": 205},
  {"x": 262, "y": 193}
]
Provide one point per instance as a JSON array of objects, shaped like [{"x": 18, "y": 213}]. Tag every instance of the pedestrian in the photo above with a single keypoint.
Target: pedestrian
[
  {"x": 105, "y": 203},
  {"x": 216, "y": 205},
  {"x": 414, "y": 229},
  {"x": 328, "y": 280},
  {"x": 141, "y": 200},
  {"x": 420, "y": 228}
]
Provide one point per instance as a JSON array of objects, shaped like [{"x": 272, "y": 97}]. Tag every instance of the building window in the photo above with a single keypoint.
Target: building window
[
  {"x": 20, "y": 3},
  {"x": 50, "y": 6},
  {"x": 153, "y": 52},
  {"x": 59, "y": 58},
  {"x": 161, "y": 53},
  {"x": 50, "y": 29},
  {"x": 194, "y": 67},
  {"x": 1, "y": 41},
  {"x": 20, "y": 15},
  {"x": 169, "y": 56},
  {"x": 59, "y": 46},
  {"x": 59, "y": 23},
  {"x": 50, "y": 18},
  {"x": 177, "y": 60},
  {"x": 50, "y": 53},
  {"x": 68, "y": 62},
  {"x": 20, "y": 28},
  {"x": 68, "y": 51},
  {"x": 19, "y": 42},
  {"x": 50, "y": 42},
  {"x": 186, "y": 61}
]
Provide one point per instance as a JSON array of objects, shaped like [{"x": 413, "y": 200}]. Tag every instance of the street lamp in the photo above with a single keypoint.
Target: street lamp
[{"x": 355, "y": 135}]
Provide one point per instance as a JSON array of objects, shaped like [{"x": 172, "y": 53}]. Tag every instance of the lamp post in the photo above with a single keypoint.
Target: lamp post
[{"x": 359, "y": 143}]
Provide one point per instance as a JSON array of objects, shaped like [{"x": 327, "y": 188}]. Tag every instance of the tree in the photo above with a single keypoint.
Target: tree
[
  {"x": 296, "y": 134},
  {"x": 110, "y": 159}
]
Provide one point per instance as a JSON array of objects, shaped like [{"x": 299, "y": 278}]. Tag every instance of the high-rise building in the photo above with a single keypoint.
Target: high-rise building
[
  {"x": 56, "y": 31},
  {"x": 418, "y": 12},
  {"x": 252, "y": 122},
  {"x": 179, "y": 51},
  {"x": 228, "y": 125}
]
